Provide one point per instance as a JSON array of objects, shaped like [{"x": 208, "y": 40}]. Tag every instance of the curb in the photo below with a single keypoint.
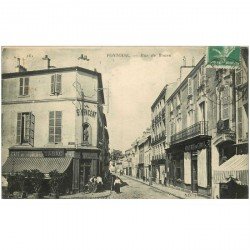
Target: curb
[
  {"x": 88, "y": 198},
  {"x": 177, "y": 196}
]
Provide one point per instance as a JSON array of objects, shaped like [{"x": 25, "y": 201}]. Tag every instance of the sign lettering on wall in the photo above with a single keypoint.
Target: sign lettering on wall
[
  {"x": 197, "y": 146},
  {"x": 54, "y": 153},
  {"x": 26, "y": 154}
]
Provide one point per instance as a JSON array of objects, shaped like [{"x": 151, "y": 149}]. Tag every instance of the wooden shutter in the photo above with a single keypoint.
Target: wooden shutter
[
  {"x": 26, "y": 86},
  {"x": 240, "y": 123},
  {"x": 58, "y": 126},
  {"x": 58, "y": 88},
  {"x": 225, "y": 103},
  {"x": 52, "y": 86},
  {"x": 32, "y": 129},
  {"x": 51, "y": 126},
  {"x": 21, "y": 87},
  {"x": 190, "y": 87},
  {"x": 19, "y": 128}
]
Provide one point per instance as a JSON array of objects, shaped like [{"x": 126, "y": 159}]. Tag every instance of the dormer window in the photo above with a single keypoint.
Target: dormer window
[{"x": 24, "y": 86}]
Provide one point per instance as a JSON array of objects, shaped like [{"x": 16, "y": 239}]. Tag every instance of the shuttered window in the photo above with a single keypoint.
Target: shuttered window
[
  {"x": 56, "y": 84},
  {"x": 55, "y": 126},
  {"x": 25, "y": 128},
  {"x": 190, "y": 86},
  {"x": 240, "y": 123},
  {"x": 24, "y": 86},
  {"x": 225, "y": 103}
]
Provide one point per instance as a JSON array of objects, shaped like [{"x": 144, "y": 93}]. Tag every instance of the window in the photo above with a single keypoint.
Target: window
[
  {"x": 24, "y": 86},
  {"x": 55, "y": 126},
  {"x": 202, "y": 113},
  {"x": 56, "y": 84},
  {"x": 225, "y": 103},
  {"x": 190, "y": 86},
  {"x": 190, "y": 118},
  {"x": 25, "y": 128},
  {"x": 240, "y": 123}
]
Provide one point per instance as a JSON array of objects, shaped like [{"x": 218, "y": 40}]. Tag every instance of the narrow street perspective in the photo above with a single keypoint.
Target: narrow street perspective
[
  {"x": 125, "y": 122},
  {"x": 132, "y": 189}
]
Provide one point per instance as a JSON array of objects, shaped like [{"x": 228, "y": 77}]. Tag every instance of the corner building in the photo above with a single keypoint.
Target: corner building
[{"x": 52, "y": 119}]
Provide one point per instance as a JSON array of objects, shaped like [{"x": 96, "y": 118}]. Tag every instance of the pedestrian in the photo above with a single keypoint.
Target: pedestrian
[
  {"x": 117, "y": 185},
  {"x": 99, "y": 182}
]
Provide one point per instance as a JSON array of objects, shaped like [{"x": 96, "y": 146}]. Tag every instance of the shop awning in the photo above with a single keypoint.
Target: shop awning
[
  {"x": 236, "y": 167},
  {"x": 45, "y": 165}
]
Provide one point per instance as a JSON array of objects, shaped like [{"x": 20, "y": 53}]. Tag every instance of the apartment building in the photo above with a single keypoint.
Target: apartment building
[
  {"x": 52, "y": 119},
  {"x": 188, "y": 141},
  {"x": 158, "y": 136}
]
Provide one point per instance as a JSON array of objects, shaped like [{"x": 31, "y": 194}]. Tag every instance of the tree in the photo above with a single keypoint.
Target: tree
[
  {"x": 116, "y": 155},
  {"x": 36, "y": 178},
  {"x": 56, "y": 181},
  {"x": 21, "y": 178}
]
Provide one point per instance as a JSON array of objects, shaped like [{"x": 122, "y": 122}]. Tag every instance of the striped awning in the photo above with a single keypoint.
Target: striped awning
[
  {"x": 236, "y": 167},
  {"x": 44, "y": 164}
]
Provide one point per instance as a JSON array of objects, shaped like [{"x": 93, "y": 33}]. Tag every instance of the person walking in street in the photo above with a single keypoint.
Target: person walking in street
[{"x": 117, "y": 185}]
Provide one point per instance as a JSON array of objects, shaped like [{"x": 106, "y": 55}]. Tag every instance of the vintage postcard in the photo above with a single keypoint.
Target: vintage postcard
[{"x": 125, "y": 122}]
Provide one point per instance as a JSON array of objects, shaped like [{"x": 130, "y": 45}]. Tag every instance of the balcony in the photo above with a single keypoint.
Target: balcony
[
  {"x": 224, "y": 132},
  {"x": 198, "y": 129}
]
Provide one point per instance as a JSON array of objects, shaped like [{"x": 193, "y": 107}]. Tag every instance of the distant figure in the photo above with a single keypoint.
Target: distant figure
[{"x": 117, "y": 185}]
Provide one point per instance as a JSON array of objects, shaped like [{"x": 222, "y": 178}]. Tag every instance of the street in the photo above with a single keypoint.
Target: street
[{"x": 137, "y": 190}]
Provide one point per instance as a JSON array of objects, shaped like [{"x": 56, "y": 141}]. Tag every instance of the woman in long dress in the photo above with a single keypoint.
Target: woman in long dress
[{"x": 117, "y": 185}]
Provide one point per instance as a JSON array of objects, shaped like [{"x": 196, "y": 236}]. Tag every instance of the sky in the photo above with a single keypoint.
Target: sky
[{"x": 133, "y": 77}]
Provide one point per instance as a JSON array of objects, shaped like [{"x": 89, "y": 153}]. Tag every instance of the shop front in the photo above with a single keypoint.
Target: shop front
[
  {"x": 79, "y": 165},
  {"x": 158, "y": 170},
  {"x": 86, "y": 164},
  {"x": 231, "y": 179},
  {"x": 189, "y": 166}
]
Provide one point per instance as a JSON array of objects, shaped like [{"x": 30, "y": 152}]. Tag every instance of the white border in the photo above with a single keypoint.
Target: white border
[{"x": 124, "y": 224}]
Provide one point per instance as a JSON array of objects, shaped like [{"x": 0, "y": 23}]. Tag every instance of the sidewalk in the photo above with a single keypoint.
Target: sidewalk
[
  {"x": 101, "y": 195},
  {"x": 179, "y": 193}
]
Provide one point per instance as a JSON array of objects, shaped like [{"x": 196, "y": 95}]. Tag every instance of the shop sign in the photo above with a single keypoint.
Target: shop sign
[
  {"x": 86, "y": 112},
  {"x": 26, "y": 154},
  {"x": 197, "y": 146},
  {"x": 89, "y": 155},
  {"x": 223, "y": 56},
  {"x": 54, "y": 153}
]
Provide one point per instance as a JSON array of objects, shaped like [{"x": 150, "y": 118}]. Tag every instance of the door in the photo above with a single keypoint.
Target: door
[
  {"x": 82, "y": 183},
  {"x": 194, "y": 172}
]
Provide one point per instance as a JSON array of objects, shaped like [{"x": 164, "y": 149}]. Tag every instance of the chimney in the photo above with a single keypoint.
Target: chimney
[
  {"x": 48, "y": 61},
  {"x": 185, "y": 69},
  {"x": 19, "y": 67}
]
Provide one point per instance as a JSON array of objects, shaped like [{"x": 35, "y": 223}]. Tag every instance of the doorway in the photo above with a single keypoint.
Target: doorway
[{"x": 194, "y": 171}]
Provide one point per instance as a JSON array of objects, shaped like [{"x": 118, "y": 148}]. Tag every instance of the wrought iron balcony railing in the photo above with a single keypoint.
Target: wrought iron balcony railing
[{"x": 199, "y": 128}]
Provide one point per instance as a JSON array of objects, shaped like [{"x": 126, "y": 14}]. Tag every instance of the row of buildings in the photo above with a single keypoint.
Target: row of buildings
[
  {"x": 53, "y": 119},
  {"x": 198, "y": 139}
]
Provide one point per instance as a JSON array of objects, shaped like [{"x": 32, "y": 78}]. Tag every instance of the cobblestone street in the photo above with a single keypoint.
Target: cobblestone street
[{"x": 137, "y": 190}]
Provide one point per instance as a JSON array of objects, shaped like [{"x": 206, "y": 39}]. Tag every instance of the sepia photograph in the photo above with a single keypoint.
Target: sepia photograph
[{"x": 125, "y": 122}]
